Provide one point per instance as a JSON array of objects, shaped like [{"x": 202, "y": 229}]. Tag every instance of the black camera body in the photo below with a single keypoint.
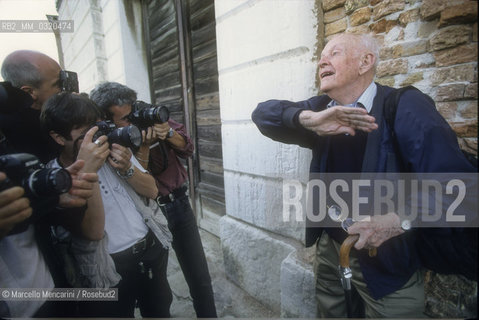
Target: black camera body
[
  {"x": 69, "y": 81},
  {"x": 145, "y": 115},
  {"x": 129, "y": 136},
  {"x": 42, "y": 186},
  {"x": 26, "y": 171}
]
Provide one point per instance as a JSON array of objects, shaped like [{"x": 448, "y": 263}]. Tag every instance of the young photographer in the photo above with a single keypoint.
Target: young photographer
[
  {"x": 139, "y": 247},
  {"x": 165, "y": 141},
  {"x": 86, "y": 262}
]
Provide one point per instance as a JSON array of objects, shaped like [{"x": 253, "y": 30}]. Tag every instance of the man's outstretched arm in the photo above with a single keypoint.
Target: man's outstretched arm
[{"x": 301, "y": 122}]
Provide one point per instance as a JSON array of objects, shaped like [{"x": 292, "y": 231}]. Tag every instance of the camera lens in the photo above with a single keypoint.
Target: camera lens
[
  {"x": 135, "y": 136},
  {"x": 129, "y": 136},
  {"x": 162, "y": 114},
  {"x": 145, "y": 115},
  {"x": 49, "y": 181},
  {"x": 155, "y": 115}
]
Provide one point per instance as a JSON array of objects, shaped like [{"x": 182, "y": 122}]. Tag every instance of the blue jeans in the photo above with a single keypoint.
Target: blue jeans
[{"x": 189, "y": 251}]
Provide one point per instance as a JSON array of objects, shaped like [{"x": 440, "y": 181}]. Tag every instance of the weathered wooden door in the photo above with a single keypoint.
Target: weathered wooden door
[{"x": 181, "y": 37}]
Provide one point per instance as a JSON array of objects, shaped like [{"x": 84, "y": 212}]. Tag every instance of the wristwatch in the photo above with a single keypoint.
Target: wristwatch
[
  {"x": 170, "y": 133},
  {"x": 128, "y": 174},
  {"x": 406, "y": 225}
]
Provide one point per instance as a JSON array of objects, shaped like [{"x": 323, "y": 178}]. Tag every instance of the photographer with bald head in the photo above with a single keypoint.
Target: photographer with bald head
[
  {"x": 30, "y": 258},
  {"x": 37, "y": 75}
]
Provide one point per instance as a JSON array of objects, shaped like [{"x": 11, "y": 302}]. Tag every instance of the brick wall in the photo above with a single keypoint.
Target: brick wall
[{"x": 431, "y": 44}]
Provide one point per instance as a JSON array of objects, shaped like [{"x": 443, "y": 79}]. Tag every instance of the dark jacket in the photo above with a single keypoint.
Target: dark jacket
[{"x": 425, "y": 142}]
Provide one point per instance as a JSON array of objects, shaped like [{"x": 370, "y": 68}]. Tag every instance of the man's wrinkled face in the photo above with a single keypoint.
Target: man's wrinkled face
[
  {"x": 339, "y": 64},
  {"x": 120, "y": 115}
]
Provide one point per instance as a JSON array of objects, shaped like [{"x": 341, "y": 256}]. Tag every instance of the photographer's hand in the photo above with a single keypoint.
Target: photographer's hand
[
  {"x": 161, "y": 130},
  {"x": 82, "y": 186},
  {"x": 119, "y": 158},
  {"x": 149, "y": 137},
  {"x": 142, "y": 182},
  {"x": 177, "y": 141},
  {"x": 94, "y": 153},
  {"x": 143, "y": 154},
  {"x": 14, "y": 208}
]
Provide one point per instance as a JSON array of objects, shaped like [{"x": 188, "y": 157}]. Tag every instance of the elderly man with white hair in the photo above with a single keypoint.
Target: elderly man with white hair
[{"x": 347, "y": 132}]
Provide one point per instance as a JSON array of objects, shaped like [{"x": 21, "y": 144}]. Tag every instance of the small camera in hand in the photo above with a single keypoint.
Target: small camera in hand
[
  {"x": 129, "y": 136},
  {"x": 25, "y": 170},
  {"x": 145, "y": 115}
]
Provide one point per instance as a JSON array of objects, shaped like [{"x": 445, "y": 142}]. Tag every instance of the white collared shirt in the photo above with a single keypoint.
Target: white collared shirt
[
  {"x": 123, "y": 223},
  {"x": 366, "y": 99}
]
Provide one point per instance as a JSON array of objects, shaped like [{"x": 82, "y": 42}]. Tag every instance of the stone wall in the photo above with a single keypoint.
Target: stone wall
[
  {"x": 83, "y": 50},
  {"x": 431, "y": 44},
  {"x": 107, "y": 44},
  {"x": 266, "y": 50}
]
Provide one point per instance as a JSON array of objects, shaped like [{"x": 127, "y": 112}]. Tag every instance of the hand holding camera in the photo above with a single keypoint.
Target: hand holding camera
[
  {"x": 82, "y": 186},
  {"x": 14, "y": 207},
  {"x": 145, "y": 115},
  {"x": 27, "y": 171},
  {"x": 162, "y": 130},
  {"x": 149, "y": 136},
  {"x": 120, "y": 158},
  {"x": 42, "y": 186},
  {"x": 129, "y": 136},
  {"x": 93, "y": 151}
]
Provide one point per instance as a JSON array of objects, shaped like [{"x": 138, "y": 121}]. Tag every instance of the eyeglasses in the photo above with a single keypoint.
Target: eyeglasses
[{"x": 336, "y": 214}]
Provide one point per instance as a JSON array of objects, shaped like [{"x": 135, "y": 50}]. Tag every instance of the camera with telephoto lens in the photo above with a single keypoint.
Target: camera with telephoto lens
[
  {"x": 145, "y": 115},
  {"x": 26, "y": 171},
  {"x": 43, "y": 186},
  {"x": 129, "y": 136}
]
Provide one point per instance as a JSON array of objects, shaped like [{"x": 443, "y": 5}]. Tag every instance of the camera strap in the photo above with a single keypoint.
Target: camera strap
[
  {"x": 164, "y": 154},
  {"x": 157, "y": 167}
]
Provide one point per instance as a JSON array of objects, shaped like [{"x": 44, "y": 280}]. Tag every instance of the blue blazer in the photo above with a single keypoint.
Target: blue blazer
[{"x": 425, "y": 143}]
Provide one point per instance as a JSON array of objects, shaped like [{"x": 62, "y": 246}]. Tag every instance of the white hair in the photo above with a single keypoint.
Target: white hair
[
  {"x": 370, "y": 43},
  {"x": 367, "y": 41}
]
